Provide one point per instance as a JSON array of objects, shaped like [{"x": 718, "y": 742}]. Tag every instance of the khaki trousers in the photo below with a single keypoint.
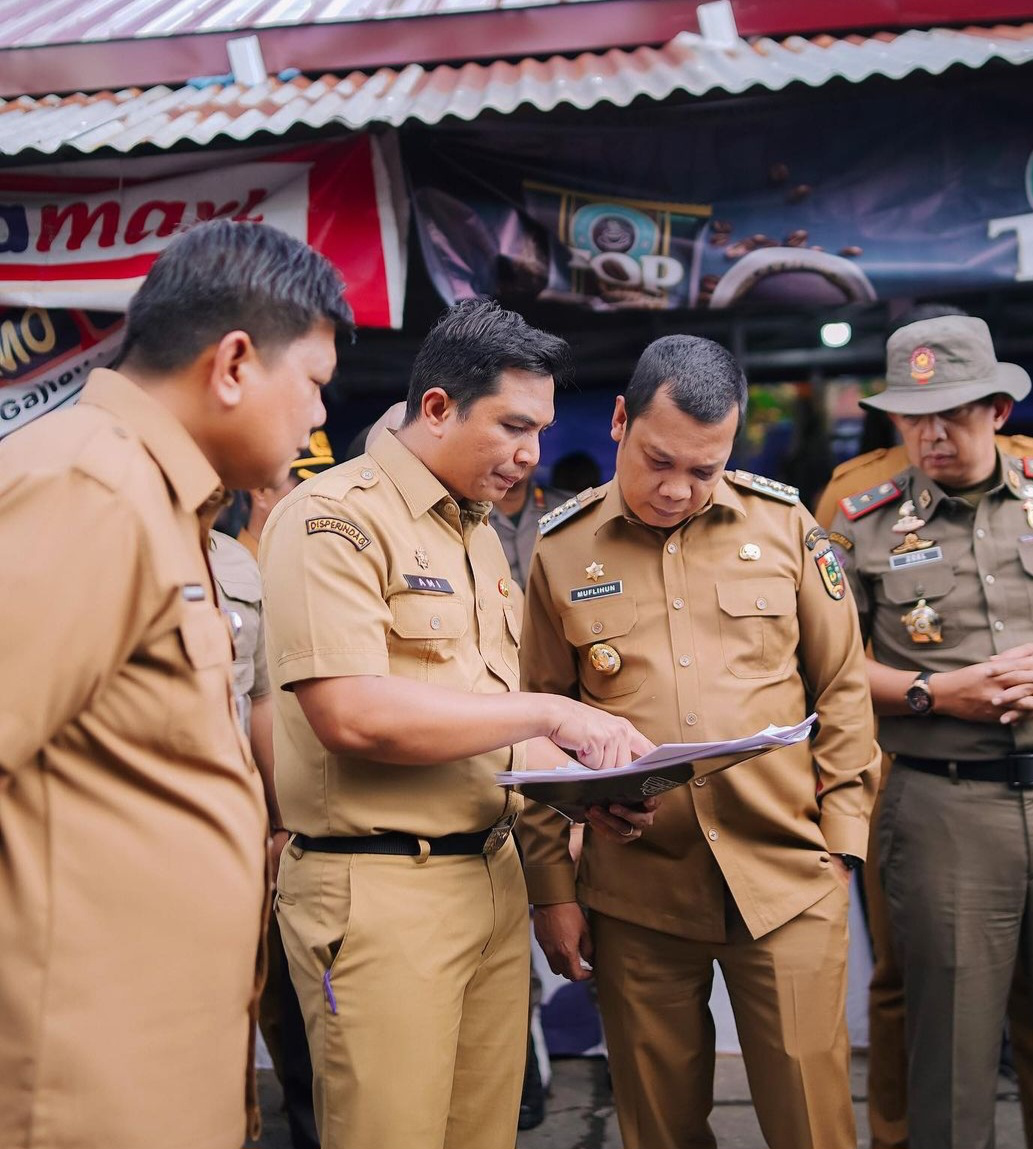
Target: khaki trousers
[
  {"x": 788, "y": 994},
  {"x": 956, "y": 865},
  {"x": 413, "y": 979}
]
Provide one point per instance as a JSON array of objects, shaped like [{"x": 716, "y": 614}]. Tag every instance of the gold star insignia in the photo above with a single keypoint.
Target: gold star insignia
[{"x": 595, "y": 571}]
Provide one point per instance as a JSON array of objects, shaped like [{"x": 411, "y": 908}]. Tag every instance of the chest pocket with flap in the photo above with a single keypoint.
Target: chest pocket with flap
[
  {"x": 610, "y": 621},
  {"x": 759, "y": 630},
  {"x": 902, "y": 589},
  {"x": 425, "y": 631}
]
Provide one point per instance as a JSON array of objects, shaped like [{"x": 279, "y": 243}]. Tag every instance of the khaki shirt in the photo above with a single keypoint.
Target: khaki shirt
[
  {"x": 239, "y": 588},
  {"x": 372, "y": 568},
  {"x": 979, "y": 579},
  {"x": 712, "y": 646},
  {"x": 131, "y": 815},
  {"x": 518, "y": 538}
]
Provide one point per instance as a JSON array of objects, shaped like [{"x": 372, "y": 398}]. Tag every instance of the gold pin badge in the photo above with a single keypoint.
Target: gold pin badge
[
  {"x": 504, "y": 587},
  {"x": 1027, "y": 506},
  {"x": 1014, "y": 481},
  {"x": 750, "y": 552},
  {"x": 923, "y": 623},
  {"x": 604, "y": 658},
  {"x": 594, "y": 571},
  {"x": 912, "y": 543},
  {"x": 908, "y": 521},
  {"x": 422, "y": 561},
  {"x": 925, "y": 499}
]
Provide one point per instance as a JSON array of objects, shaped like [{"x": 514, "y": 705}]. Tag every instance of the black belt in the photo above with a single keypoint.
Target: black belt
[
  {"x": 488, "y": 841},
  {"x": 1016, "y": 770}
]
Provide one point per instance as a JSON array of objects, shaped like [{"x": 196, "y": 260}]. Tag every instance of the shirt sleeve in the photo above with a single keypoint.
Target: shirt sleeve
[
  {"x": 73, "y": 563},
  {"x": 547, "y": 664},
  {"x": 325, "y": 611},
  {"x": 846, "y": 756}
]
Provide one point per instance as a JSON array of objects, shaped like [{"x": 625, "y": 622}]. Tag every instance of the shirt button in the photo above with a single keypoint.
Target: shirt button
[
  {"x": 480, "y": 604},
  {"x": 998, "y": 625},
  {"x": 990, "y": 580},
  {"x": 700, "y": 781},
  {"x": 672, "y": 548},
  {"x": 435, "y": 623},
  {"x": 597, "y": 628},
  {"x": 685, "y": 660},
  {"x": 980, "y": 533},
  {"x": 762, "y": 603},
  {"x": 713, "y": 835},
  {"x": 678, "y": 603},
  {"x": 691, "y": 719},
  {"x": 366, "y": 473}
]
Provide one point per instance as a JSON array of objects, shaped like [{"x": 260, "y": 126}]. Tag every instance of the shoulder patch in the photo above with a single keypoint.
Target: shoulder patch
[
  {"x": 814, "y": 536},
  {"x": 569, "y": 509},
  {"x": 770, "y": 487},
  {"x": 856, "y": 506},
  {"x": 841, "y": 541},
  {"x": 358, "y": 538}
]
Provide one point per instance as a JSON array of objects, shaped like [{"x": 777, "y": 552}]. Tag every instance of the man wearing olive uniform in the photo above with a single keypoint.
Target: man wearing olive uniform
[
  {"x": 941, "y": 561},
  {"x": 132, "y": 827},
  {"x": 394, "y": 641},
  {"x": 705, "y": 606}
]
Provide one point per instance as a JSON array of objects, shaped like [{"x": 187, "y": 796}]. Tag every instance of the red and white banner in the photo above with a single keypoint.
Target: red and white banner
[{"x": 84, "y": 235}]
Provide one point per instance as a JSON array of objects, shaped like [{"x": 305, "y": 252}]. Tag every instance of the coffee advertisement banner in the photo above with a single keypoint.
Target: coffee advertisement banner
[
  {"x": 83, "y": 235},
  {"x": 813, "y": 199}
]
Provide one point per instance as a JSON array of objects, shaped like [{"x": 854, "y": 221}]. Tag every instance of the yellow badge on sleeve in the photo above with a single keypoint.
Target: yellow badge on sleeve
[
  {"x": 831, "y": 573},
  {"x": 340, "y": 527}
]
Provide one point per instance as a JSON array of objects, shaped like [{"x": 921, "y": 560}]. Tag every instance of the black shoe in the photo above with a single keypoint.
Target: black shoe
[{"x": 532, "y": 1097}]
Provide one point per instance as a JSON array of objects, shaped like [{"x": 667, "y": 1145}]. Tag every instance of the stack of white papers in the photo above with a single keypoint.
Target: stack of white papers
[{"x": 571, "y": 788}]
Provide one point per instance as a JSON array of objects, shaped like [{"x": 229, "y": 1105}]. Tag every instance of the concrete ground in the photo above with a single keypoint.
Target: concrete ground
[{"x": 581, "y": 1116}]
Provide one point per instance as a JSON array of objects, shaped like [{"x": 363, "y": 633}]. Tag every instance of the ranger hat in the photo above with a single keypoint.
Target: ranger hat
[
  {"x": 941, "y": 363},
  {"x": 318, "y": 457}
]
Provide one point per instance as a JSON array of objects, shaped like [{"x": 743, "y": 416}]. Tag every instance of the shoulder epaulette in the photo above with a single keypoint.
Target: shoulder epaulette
[
  {"x": 336, "y": 482},
  {"x": 106, "y": 457},
  {"x": 855, "y": 506},
  {"x": 565, "y": 511},
  {"x": 770, "y": 487}
]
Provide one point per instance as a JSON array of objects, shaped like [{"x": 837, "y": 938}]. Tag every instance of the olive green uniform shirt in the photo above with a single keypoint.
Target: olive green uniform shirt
[
  {"x": 372, "y": 568},
  {"x": 713, "y": 645},
  {"x": 978, "y": 577}
]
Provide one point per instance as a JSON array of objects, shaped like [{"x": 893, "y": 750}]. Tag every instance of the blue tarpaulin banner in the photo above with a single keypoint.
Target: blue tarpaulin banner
[{"x": 776, "y": 201}]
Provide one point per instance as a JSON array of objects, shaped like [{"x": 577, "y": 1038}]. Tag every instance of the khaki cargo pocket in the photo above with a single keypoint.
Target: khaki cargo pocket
[
  {"x": 759, "y": 630},
  {"x": 511, "y": 638},
  {"x": 610, "y": 621}
]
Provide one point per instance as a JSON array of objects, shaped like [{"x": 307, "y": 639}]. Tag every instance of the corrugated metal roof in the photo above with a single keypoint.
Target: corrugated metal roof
[
  {"x": 58, "y": 22},
  {"x": 162, "y": 117}
]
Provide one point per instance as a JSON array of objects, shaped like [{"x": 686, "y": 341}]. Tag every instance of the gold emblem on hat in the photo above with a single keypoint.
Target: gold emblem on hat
[
  {"x": 923, "y": 623},
  {"x": 925, "y": 499},
  {"x": 422, "y": 561},
  {"x": 604, "y": 658},
  {"x": 504, "y": 587},
  {"x": 908, "y": 520},
  {"x": 750, "y": 552},
  {"x": 912, "y": 543},
  {"x": 594, "y": 571},
  {"x": 923, "y": 364}
]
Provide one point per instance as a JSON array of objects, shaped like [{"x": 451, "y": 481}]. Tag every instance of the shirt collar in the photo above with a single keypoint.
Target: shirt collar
[
  {"x": 917, "y": 485},
  {"x": 417, "y": 484},
  {"x": 613, "y": 505},
  {"x": 192, "y": 478}
]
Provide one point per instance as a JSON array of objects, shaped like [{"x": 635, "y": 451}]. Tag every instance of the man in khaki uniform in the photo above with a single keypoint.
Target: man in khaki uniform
[
  {"x": 132, "y": 828},
  {"x": 705, "y": 606},
  {"x": 936, "y": 556},
  {"x": 887, "y": 1047},
  {"x": 394, "y": 643}
]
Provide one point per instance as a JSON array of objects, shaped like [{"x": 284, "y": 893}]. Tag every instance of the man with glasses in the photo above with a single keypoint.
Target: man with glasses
[{"x": 940, "y": 559}]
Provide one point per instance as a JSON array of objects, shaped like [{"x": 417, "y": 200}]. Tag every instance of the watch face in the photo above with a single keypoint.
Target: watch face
[{"x": 919, "y": 699}]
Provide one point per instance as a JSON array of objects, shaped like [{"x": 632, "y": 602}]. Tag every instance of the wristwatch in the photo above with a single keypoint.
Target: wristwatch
[
  {"x": 919, "y": 695},
  {"x": 850, "y": 861}
]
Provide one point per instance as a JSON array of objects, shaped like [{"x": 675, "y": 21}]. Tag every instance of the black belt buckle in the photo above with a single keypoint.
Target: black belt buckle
[
  {"x": 1020, "y": 771},
  {"x": 498, "y": 835}
]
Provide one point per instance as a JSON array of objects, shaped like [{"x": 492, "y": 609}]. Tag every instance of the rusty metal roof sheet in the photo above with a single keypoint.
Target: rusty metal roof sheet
[{"x": 161, "y": 117}]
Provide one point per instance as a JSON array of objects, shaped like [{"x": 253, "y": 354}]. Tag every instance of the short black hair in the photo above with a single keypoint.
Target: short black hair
[
  {"x": 472, "y": 344},
  {"x": 224, "y": 276},
  {"x": 703, "y": 378}
]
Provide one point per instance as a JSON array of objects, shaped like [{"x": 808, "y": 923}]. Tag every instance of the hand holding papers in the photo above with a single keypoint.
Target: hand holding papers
[{"x": 572, "y": 788}]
